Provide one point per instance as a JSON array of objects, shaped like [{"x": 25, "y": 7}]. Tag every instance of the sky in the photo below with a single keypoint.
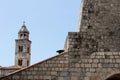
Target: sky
[{"x": 48, "y": 21}]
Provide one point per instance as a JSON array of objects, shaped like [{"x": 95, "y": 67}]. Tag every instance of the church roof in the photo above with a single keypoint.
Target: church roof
[
  {"x": 23, "y": 69},
  {"x": 23, "y": 29},
  {"x": 11, "y": 67}
]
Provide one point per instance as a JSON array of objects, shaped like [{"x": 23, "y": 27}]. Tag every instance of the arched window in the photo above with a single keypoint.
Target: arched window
[
  {"x": 28, "y": 49},
  {"x": 20, "y": 62},
  {"x": 27, "y": 63},
  {"x": 24, "y": 35},
  {"x": 20, "y": 49},
  {"x": 20, "y": 35},
  {"x": 114, "y": 77}
]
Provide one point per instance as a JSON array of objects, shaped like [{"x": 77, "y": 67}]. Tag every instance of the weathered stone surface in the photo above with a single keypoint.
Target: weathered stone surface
[{"x": 93, "y": 53}]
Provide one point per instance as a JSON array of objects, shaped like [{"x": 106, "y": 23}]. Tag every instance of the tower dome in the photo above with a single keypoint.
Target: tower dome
[
  {"x": 23, "y": 32},
  {"x": 23, "y": 29}
]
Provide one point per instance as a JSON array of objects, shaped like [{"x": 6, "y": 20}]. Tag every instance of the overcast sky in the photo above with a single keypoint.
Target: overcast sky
[{"x": 48, "y": 21}]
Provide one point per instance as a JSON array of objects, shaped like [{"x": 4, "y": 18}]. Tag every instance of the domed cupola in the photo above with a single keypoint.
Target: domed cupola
[
  {"x": 23, "y": 29},
  {"x": 23, "y": 32}
]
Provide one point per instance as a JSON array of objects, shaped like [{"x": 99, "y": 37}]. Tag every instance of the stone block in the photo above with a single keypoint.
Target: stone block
[
  {"x": 94, "y": 65},
  {"x": 86, "y": 78},
  {"x": 88, "y": 65},
  {"x": 74, "y": 78},
  {"x": 53, "y": 73},
  {"x": 77, "y": 65}
]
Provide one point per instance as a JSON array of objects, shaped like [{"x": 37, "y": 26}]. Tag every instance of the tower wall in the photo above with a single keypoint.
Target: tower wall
[{"x": 23, "y": 55}]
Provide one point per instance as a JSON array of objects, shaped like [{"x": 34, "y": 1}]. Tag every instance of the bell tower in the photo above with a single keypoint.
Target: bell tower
[{"x": 23, "y": 47}]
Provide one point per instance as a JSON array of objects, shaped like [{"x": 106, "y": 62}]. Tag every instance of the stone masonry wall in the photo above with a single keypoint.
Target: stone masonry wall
[
  {"x": 84, "y": 43},
  {"x": 97, "y": 66},
  {"x": 55, "y": 68},
  {"x": 4, "y": 71},
  {"x": 93, "y": 53},
  {"x": 100, "y": 14}
]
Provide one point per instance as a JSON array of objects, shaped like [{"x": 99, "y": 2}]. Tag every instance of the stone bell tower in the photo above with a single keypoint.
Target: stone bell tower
[{"x": 23, "y": 47}]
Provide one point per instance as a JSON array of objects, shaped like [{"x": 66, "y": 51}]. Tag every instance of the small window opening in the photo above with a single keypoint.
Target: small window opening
[
  {"x": 27, "y": 63},
  {"x": 20, "y": 62},
  {"x": 20, "y": 35},
  {"x": 24, "y": 35},
  {"x": 28, "y": 49},
  {"x": 89, "y": 27},
  {"x": 20, "y": 48}
]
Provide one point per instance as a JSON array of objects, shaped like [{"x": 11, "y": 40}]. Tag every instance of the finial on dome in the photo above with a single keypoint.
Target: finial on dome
[
  {"x": 23, "y": 29},
  {"x": 23, "y": 22}
]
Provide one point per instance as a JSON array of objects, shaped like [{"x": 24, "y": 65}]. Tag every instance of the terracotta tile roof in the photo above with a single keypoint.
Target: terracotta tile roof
[
  {"x": 12, "y": 67},
  {"x": 22, "y": 69}
]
